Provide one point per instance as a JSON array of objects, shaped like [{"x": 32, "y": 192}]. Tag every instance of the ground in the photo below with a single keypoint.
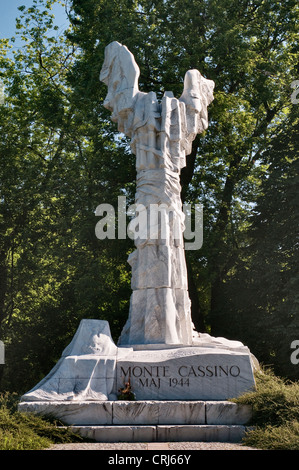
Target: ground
[{"x": 152, "y": 446}]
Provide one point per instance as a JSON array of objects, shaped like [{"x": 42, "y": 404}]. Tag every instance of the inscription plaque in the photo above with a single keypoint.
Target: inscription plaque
[{"x": 186, "y": 374}]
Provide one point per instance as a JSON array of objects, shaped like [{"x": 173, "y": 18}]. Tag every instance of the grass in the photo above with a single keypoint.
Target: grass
[
  {"x": 26, "y": 431},
  {"x": 275, "y": 420}
]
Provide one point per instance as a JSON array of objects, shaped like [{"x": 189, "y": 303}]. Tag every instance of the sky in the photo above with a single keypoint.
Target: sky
[{"x": 9, "y": 12}]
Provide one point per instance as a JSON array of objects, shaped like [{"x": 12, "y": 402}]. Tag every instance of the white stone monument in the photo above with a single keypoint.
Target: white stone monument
[
  {"x": 161, "y": 137},
  {"x": 159, "y": 354}
]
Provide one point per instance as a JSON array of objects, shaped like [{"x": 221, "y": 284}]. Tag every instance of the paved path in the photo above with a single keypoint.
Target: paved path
[{"x": 152, "y": 446}]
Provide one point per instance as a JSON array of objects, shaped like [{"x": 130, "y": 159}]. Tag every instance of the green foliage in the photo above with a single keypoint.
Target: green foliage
[
  {"x": 25, "y": 431},
  {"x": 57, "y": 165},
  {"x": 275, "y": 406},
  {"x": 264, "y": 272},
  {"x": 285, "y": 437},
  {"x": 275, "y": 401}
]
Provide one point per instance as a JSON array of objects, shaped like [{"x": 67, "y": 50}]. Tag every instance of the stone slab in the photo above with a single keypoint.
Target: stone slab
[
  {"x": 189, "y": 373},
  {"x": 204, "y": 433},
  {"x": 225, "y": 412},
  {"x": 167, "y": 433},
  {"x": 142, "y": 412},
  {"x": 72, "y": 412},
  {"x": 155, "y": 412},
  {"x": 117, "y": 433}
]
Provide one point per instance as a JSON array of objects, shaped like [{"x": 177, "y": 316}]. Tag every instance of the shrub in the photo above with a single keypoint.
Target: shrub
[
  {"x": 26, "y": 431},
  {"x": 275, "y": 406}
]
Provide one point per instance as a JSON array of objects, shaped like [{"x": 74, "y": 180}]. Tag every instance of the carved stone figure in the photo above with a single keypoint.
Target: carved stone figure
[{"x": 161, "y": 136}]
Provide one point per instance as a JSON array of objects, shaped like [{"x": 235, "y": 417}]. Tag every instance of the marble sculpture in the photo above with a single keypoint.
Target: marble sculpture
[{"x": 161, "y": 136}]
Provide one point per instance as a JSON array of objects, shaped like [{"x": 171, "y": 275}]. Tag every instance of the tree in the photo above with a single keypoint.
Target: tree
[
  {"x": 54, "y": 171},
  {"x": 265, "y": 313}
]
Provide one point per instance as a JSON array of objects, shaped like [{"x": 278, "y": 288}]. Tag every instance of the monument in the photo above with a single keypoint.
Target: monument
[
  {"x": 161, "y": 137},
  {"x": 160, "y": 360}
]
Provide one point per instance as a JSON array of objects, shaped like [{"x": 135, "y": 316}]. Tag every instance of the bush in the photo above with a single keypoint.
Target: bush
[
  {"x": 275, "y": 420},
  {"x": 284, "y": 437},
  {"x": 26, "y": 431}
]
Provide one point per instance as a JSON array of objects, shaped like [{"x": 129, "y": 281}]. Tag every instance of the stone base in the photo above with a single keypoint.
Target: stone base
[
  {"x": 181, "y": 391},
  {"x": 150, "y": 421},
  {"x": 174, "y": 433},
  {"x": 143, "y": 412},
  {"x": 93, "y": 368}
]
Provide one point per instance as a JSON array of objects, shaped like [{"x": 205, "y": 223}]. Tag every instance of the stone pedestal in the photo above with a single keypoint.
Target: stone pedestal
[
  {"x": 149, "y": 421},
  {"x": 176, "y": 388},
  {"x": 93, "y": 368}
]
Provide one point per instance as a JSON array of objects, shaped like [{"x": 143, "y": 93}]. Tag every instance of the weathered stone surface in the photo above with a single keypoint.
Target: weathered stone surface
[
  {"x": 93, "y": 337},
  {"x": 72, "y": 412},
  {"x": 142, "y": 412},
  {"x": 149, "y": 421},
  {"x": 161, "y": 136},
  {"x": 117, "y": 433},
  {"x": 159, "y": 353},
  {"x": 211, "y": 369},
  {"x": 158, "y": 266},
  {"x": 136, "y": 412},
  {"x": 157, "y": 412},
  {"x": 205, "y": 433},
  {"x": 86, "y": 369},
  {"x": 166, "y": 324},
  {"x": 160, "y": 433},
  {"x": 177, "y": 412},
  {"x": 188, "y": 373},
  {"x": 225, "y": 412}
]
